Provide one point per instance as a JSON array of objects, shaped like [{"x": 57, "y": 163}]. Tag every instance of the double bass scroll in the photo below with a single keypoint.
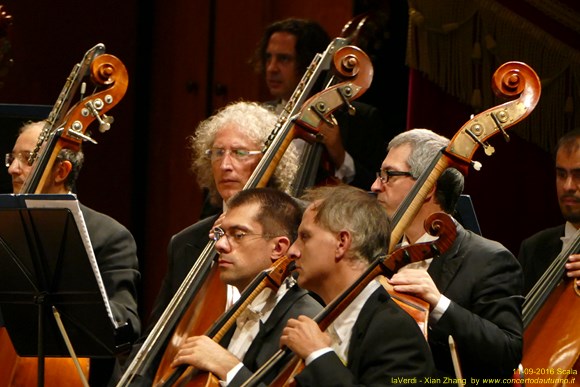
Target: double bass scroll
[{"x": 66, "y": 127}]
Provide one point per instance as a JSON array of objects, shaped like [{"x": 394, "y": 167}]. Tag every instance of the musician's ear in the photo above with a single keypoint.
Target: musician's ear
[
  {"x": 343, "y": 243},
  {"x": 62, "y": 170},
  {"x": 431, "y": 194},
  {"x": 280, "y": 247}
]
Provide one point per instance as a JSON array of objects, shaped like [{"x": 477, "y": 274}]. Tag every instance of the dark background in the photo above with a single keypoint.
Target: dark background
[{"x": 185, "y": 59}]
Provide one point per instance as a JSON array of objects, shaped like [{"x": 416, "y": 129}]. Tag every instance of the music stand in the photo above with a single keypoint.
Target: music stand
[
  {"x": 46, "y": 261},
  {"x": 465, "y": 214}
]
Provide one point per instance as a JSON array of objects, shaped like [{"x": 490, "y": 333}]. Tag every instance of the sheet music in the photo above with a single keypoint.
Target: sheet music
[{"x": 71, "y": 203}]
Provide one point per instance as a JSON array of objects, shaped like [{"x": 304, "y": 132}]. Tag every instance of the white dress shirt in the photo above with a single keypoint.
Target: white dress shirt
[{"x": 341, "y": 328}]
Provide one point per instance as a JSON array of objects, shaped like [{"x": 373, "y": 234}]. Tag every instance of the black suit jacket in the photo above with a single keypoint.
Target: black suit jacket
[
  {"x": 295, "y": 302},
  {"x": 484, "y": 282},
  {"x": 386, "y": 344},
  {"x": 538, "y": 252}
]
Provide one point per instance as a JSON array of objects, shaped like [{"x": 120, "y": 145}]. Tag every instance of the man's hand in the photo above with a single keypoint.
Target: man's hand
[
  {"x": 303, "y": 336},
  {"x": 330, "y": 137},
  {"x": 573, "y": 267},
  {"x": 217, "y": 223},
  {"x": 205, "y": 354},
  {"x": 418, "y": 283}
]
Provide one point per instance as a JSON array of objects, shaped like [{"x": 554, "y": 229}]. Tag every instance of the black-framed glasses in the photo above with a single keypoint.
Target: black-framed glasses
[
  {"x": 215, "y": 154},
  {"x": 385, "y": 174},
  {"x": 22, "y": 158},
  {"x": 235, "y": 236}
]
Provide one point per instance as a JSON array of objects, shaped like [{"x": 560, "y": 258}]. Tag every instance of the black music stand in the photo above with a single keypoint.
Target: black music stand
[
  {"x": 46, "y": 262},
  {"x": 465, "y": 214}
]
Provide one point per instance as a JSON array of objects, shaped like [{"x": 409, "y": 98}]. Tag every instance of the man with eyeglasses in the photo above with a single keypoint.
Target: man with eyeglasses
[
  {"x": 114, "y": 246},
  {"x": 257, "y": 230},
  {"x": 539, "y": 250},
  {"x": 474, "y": 289},
  {"x": 226, "y": 149}
]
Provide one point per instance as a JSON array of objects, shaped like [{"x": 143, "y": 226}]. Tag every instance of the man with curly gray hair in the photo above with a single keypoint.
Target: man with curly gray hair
[{"x": 227, "y": 147}]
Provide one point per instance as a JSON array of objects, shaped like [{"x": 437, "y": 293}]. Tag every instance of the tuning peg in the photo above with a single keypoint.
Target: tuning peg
[
  {"x": 345, "y": 94},
  {"x": 105, "y": 122},
  {"x": 75, "y": 130},
  {"x": 500, "y": 118}
]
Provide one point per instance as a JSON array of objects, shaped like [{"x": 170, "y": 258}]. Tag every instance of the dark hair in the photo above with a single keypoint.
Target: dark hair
[
  {"x": 279, "y": 213},
  {"x": 570, "y": 142},
  {"x": 311, "y": 39},
  {"x": 76, "y": 159}
]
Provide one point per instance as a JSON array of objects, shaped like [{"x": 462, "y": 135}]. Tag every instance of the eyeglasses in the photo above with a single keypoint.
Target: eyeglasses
[
  {"x": 385, "y": 174},
  {"x": 235, "y": 236},
  {"x": 215, "y": 154},
  {"x": 22, "y": 158}
]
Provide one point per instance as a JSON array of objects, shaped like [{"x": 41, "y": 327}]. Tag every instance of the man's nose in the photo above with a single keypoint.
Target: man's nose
[
  {"x": 226, "y": 161},
  {"x": 570, "y": 183},
  {"x": 294, "y": 252},
  {"x": 377, "y": 186},
  {"x": 14, "y": 167},
  {"x": 222, "y": 245},
  {"x": 272, "y": 65}
]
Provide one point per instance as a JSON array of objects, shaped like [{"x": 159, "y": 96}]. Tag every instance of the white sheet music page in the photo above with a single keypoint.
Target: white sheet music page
[{"x": 70, "y": 202}]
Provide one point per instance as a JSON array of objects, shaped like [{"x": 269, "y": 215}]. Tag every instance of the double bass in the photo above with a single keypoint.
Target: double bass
[
  {"x": 66, "y": 128},
  {"x": 552, "y": 324}
]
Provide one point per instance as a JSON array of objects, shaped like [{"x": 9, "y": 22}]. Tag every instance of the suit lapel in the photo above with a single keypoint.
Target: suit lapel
[{"x": 278, "y": 313}]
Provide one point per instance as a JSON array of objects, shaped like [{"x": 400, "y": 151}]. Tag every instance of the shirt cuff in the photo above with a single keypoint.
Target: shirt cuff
[
  {"x": 231, "y": 374},
  {"x": 347, "y": 170},
  {"x": 439, "y": 309},
  {"x": 316, "y": 354}
]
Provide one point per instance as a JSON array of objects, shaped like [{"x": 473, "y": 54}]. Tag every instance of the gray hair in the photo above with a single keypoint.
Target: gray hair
[
  {"x": 424, "y": 145},
  {"x": 344, "y": 207},
  {"x": 257, "y": 122}
]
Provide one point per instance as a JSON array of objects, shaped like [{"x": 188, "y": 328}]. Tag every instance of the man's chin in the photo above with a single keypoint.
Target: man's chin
[{"x": 276, "y": 92}]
